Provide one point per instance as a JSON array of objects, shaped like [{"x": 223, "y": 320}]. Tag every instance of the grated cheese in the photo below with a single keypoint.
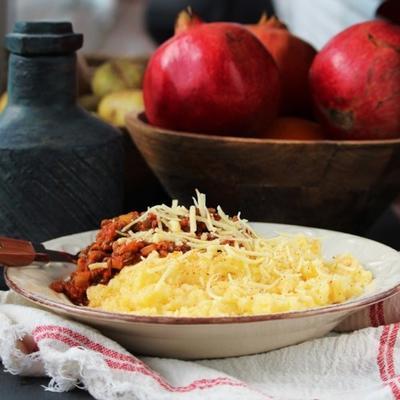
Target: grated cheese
[
  {"x": 97, "y": 265},
  {"x": 221, "y": 280},
  {"x": 192, "y": 219},
  {"x": 222, "y": 230}
]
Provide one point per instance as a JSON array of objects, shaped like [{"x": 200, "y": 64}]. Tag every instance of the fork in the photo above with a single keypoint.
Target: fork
[{"x": 18, "y": 253}]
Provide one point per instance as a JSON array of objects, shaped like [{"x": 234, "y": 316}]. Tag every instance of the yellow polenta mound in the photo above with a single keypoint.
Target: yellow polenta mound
[{"x": 286, "y": 273}]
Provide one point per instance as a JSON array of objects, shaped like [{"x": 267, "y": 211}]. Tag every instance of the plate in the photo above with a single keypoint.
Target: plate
[{"x": 215, "y": 337}]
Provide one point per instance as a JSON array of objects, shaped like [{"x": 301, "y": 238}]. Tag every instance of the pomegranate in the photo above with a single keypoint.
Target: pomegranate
[
  {"x": 355, "y": 82},
  {"x": 214, "y": 78},
  {"x": 293, "y": 57}
]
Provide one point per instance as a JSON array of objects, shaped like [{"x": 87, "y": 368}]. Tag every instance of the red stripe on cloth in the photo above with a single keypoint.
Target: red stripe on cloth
[
  {"x": 395, "y": 389},
  {"x": 373, "y": 316},
  {"x": 130, "y": 364},
  {"x": 86, "y": 341},
  {"x": 199, "y": 384},
  {"x": 390, "y": 361},
  {"x": 390, "y": 356},
  {"x": 385, "y": 358},
  {"x": 73, "y": 343},
  {"x": 382, "y": 352}
]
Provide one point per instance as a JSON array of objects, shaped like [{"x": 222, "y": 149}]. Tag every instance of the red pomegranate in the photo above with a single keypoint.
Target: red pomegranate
[
  {"x": 293, "y": 57},
  {"x": 355, "y": 82},
  {"x": 214, "y": 78}
]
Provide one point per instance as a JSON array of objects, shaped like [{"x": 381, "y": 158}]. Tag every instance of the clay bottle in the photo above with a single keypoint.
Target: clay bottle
[{"x": 61, "y": 169}]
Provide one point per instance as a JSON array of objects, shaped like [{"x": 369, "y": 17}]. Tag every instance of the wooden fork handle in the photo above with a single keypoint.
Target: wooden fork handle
[{"x": 15, "y": 252}]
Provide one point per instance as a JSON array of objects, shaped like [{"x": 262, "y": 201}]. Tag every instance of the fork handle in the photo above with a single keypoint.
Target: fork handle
[{"x": 16, "y": 252}]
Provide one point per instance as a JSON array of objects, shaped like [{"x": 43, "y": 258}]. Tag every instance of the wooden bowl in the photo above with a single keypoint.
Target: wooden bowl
[{"x": 341, "y": 185}]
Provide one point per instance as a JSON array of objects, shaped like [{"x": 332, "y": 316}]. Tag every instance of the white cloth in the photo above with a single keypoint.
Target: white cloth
[
  {"x": 318, "y": 21},
  {"x": 364, "y": 364}
]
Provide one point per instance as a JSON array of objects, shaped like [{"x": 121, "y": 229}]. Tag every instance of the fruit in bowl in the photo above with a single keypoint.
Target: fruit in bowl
[
  {"x": 205, "y": 80},
  {"x": 355, "y": 81},
  {"x": 287, "y": 172},
  {"x": 214, "y": 78},
  {"x": 294, "y": 57},
  {"x": 114, "y": 106},
  {"x": 292, "y": 128}
]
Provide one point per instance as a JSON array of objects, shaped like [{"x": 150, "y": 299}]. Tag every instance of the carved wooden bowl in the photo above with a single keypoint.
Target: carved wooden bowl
[{"x": 341, "y": 185}]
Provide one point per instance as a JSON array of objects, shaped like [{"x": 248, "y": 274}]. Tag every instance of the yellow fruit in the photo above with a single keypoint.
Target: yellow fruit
[
  {"x": 3, "y": 101},
  {"x": 117, "y": 75},
  {"x": 115, "y": 106}
]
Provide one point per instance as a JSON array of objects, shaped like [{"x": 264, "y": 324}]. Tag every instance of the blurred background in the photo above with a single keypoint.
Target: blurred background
[{"x": 134, "y": 27}]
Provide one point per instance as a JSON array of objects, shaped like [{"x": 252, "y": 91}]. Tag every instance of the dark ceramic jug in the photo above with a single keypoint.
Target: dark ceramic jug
[{"x": 61, "y": 169}]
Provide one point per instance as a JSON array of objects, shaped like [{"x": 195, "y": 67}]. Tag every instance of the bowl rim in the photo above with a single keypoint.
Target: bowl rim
[
  {"x": 83, "y": 311},
  {"x": 136, "y": 119}
]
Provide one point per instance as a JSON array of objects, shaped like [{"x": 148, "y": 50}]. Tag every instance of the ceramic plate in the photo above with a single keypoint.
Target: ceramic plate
[{"x": 194, "y": 338}]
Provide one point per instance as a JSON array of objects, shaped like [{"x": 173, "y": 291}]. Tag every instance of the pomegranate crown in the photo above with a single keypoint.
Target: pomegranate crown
[
  {"x": 271, "y": 22},
  {"x": 186, "y": 19}
]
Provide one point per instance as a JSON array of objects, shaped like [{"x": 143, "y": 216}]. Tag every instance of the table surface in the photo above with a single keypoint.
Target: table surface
[
  {"x": 19, "y": 388},
  {"x": 386, "y": 230}
]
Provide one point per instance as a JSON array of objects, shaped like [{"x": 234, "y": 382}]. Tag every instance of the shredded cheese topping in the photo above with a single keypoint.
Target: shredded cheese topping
[
  {"x": 224, "y": 229},
  {"x": 235, "y": 273}
]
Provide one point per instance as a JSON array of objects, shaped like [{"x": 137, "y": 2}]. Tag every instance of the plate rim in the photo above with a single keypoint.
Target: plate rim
[{"x": 83, "y": 311}]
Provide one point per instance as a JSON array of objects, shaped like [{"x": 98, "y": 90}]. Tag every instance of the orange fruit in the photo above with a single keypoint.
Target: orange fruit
[{"x": 290, "y": 128}]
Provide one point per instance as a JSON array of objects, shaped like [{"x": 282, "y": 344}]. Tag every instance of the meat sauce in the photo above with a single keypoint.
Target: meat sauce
[{"x": 118, "y": 254}]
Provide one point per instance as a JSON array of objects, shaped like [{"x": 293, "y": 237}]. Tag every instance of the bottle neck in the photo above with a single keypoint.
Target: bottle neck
[{"x": 42, "y": 80}]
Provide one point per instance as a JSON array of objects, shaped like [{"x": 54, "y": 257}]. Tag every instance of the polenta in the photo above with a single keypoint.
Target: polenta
[
  {"x": 285, "y": 273},
  {"x": 201, "y": 262}
]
